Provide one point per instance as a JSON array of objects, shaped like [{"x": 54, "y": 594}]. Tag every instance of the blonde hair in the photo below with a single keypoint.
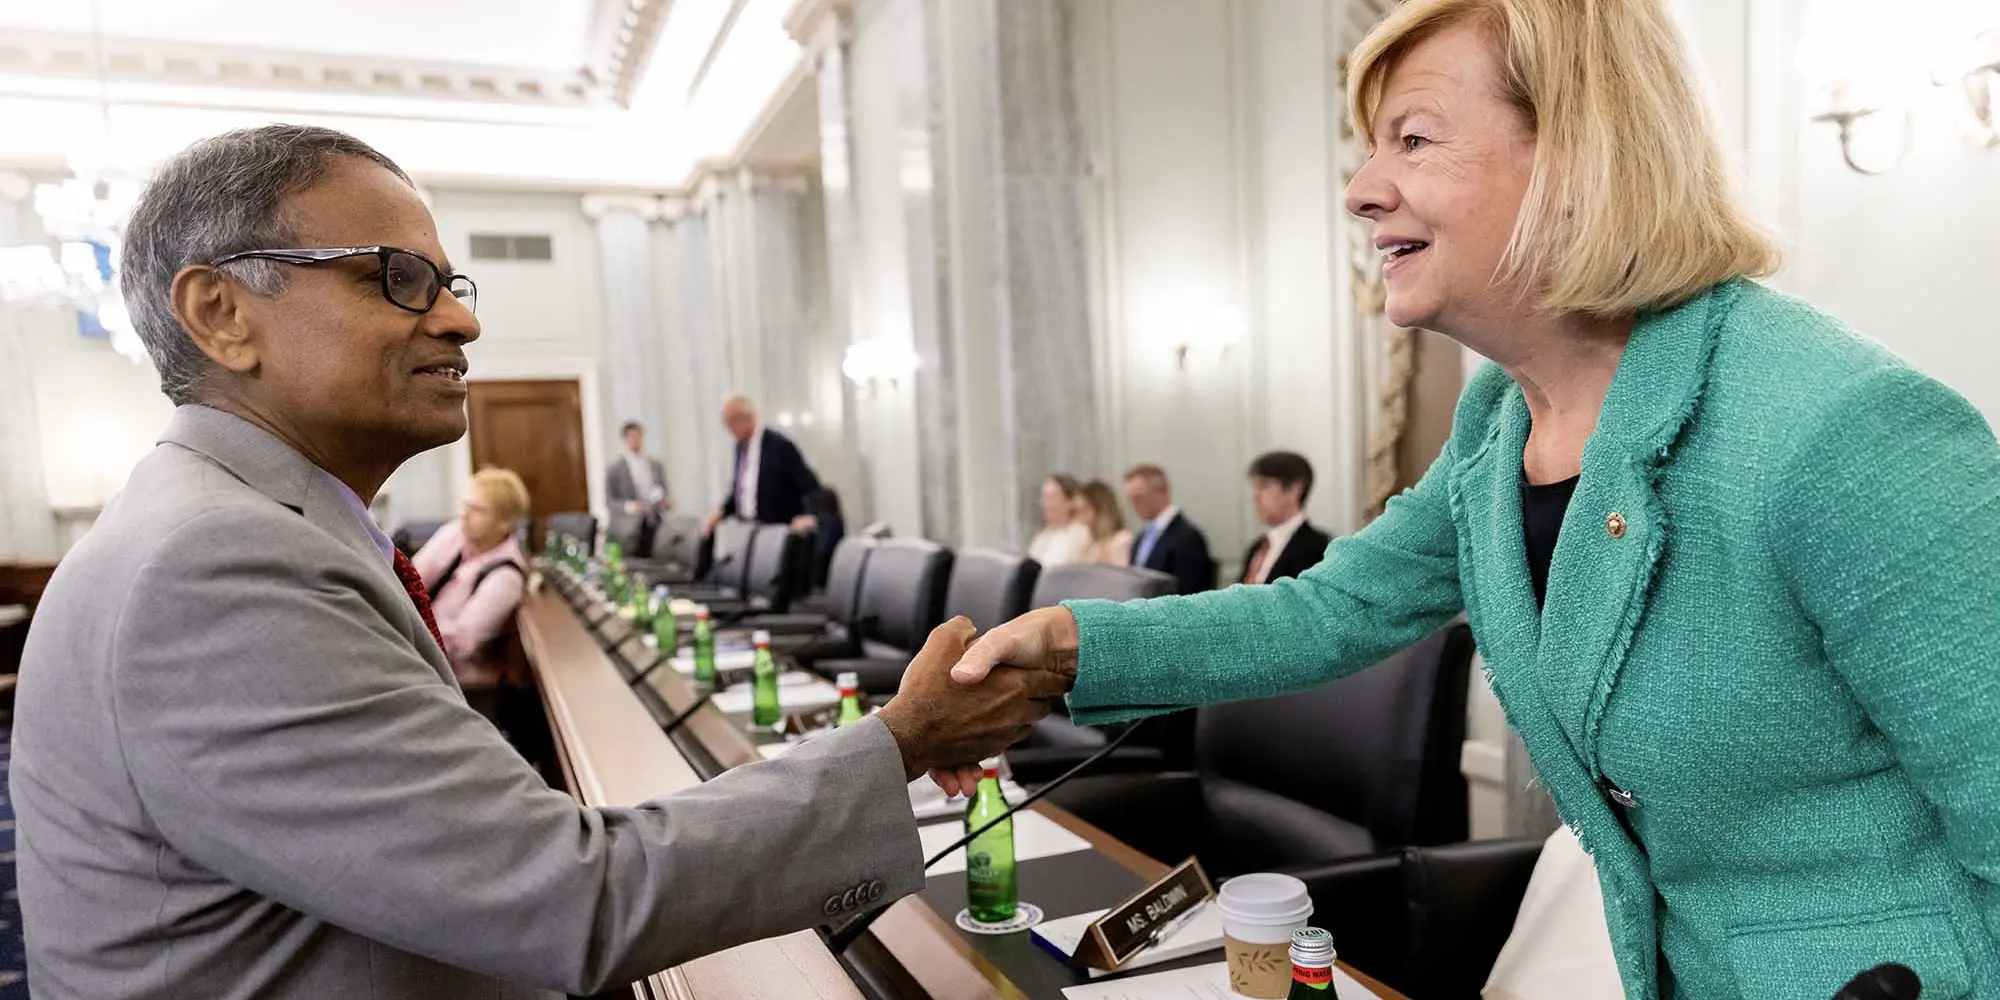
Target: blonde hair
[
  {"x": 1106, "y": 519},
  {"x": 503, "y": 490},
  {"x": 1630, "y": 207}
]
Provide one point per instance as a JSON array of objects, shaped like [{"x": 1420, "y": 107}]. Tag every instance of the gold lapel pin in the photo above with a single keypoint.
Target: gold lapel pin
[{"x": 1615, "y": 524}]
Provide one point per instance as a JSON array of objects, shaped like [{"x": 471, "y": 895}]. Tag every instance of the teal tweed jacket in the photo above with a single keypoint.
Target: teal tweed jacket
[{"x": 1773, "y": 619}]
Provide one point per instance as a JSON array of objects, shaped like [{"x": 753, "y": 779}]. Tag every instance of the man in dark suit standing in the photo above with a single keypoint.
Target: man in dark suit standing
[
  {"x": 635, "y": 487},
  {"x": 1280, "y": 481},
  {"x": 772, "y": 483},
  {"x": 1167, "y": 541}
]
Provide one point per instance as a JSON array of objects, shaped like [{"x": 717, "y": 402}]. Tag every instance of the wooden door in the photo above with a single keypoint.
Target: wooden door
[{"x": 535, "y": 429}]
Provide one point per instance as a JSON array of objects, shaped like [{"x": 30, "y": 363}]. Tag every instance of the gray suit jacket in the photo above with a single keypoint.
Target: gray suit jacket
[
  {"x": 242, "y": 769},
  {"x": 618, "y": 484}
]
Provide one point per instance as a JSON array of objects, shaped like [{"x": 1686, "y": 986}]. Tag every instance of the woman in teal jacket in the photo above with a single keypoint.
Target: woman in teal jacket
[{"x": 1763, "y": 682}]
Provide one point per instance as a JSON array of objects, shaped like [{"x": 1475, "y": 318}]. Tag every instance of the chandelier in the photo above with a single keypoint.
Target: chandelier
[{"x": 82, "y": 221}]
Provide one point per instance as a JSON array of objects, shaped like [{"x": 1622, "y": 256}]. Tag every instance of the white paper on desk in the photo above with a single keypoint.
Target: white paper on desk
[
  {"x": 1206, "y": 982},
  {"x": 1035, "y": 836},
  {"x": 808, "y": 695},
  {"x": 929, "y": 802},
  {"x": 1202, "y": 932},
  {"x": 725, "y": 659}
]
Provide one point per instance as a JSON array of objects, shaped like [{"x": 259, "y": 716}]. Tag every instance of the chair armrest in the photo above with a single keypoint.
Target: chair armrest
[
  {"x": 1360, "y": 901},
  {"x": 1462, "y": 901}
]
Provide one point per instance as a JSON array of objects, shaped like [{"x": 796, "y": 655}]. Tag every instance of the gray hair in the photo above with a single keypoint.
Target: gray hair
[{"x": 222, "y": 195}]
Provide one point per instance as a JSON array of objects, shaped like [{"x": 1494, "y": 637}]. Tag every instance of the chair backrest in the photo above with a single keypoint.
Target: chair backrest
[
  {"x": 844, "y": 576},
  {"x": 730, "y": 566},
  {"x": 989, "y": 587},
  {"x": 902, "y": 594},
  {"x": 1082, "y": 581},
  {"x": 773, "y": 565},
  {"x": 576, "y": 524},
  {"x": 1379, "y": 749},
  {"x": 677, "y": 541}
]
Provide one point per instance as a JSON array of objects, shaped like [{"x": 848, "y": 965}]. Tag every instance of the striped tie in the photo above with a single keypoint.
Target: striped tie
[{"x": 414, "y": 583}]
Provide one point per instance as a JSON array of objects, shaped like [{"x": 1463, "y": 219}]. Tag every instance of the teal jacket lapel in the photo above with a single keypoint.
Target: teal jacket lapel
[{"x": 1617, "y": 528}]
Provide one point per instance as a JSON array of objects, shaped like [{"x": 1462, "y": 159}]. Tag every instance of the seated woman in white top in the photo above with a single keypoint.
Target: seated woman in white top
[
  {"x": 1063, "y": 537},
  {"x": 475, "y": 574},
  {"x": 1110, "y": 543}
]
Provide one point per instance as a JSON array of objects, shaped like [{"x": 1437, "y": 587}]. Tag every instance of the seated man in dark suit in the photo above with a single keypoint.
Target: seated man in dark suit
[
  {"x": 1167, "y": 541},
  {"x": 771, "y": 484},
  {"x": 1280, "y": 481}
]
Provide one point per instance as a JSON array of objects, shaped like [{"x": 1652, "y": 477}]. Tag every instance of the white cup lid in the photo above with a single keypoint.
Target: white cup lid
[{"x": 1265, "y": 898}]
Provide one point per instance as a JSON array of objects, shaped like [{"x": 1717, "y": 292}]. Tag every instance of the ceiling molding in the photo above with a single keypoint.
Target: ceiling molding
[{"x": 623, "y": 33}]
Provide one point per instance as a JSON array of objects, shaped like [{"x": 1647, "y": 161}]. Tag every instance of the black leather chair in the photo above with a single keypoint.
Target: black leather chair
[
  {"x": 577, "y": 525},
  {"x": 822, "y": 626},
  {"x": 1426, "y": 921},
  {"x": 770, "y": 574},
  {"x": 902, "y": 599},
  {"x": 990, "y": 587},
  {"x": 729, "y": 570},
  {"x": 1365, "y": 764}
]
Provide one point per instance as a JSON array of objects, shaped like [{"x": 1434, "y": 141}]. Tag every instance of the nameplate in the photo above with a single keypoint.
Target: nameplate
[{"x": 1131, "y": 927}]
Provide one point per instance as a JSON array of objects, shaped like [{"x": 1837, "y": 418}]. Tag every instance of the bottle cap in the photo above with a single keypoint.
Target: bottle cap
[
  {"x": 701, "y": 612},
  {"x": 848, "y": 681},
  {"x": 760, "y": 638},
  {"x": 1312, "y": 947},
  {"x": 991, "y": 772}
]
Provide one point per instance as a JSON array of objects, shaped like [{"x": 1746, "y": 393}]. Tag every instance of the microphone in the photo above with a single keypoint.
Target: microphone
[
  {"x": 839, "y": 940},
  {"x": 679, "y": 720},
  {"x": 1883, "y": 982}
]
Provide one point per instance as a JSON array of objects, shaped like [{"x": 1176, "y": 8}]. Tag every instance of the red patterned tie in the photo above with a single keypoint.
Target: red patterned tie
[{"x": 414, "y": 583}]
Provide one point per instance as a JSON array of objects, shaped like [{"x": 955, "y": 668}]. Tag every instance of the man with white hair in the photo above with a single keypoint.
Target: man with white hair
[{"x": 771, "y": 483}]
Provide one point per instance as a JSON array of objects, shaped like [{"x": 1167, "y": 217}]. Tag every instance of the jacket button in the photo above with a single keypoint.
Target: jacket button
[{"x": 1615, "y": 524}]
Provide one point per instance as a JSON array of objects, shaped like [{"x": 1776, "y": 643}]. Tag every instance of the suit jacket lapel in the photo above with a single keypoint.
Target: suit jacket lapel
[{"x": 1617, "y": 529}]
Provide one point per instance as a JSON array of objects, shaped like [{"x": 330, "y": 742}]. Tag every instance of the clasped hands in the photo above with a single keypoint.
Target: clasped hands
[{"x": 962, "y": 701}]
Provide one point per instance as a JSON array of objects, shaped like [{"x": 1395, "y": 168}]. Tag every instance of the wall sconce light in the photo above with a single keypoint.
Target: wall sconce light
[
  {"x": 1977, "y": 74},
  {"x": 1201, "y": 336},
  {"x": 869, "y": 363},
  {"x": 1870, "y": 75}
]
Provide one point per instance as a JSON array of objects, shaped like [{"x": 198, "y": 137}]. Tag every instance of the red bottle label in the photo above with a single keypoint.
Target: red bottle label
[{"x": 1322, "y": 976}]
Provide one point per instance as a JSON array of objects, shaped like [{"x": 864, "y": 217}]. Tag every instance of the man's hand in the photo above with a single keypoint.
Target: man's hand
[
  {"x": 708, "y": 524},
  {"x": 940, "y": 723},
  {"x": 1040, "y": 643},
  {"x": 634, "y": 508},
  {"x": 804, "y": 523}
]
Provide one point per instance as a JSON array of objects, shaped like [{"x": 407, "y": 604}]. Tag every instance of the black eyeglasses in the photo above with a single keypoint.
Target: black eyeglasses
[{"x": 409, "y": 279}]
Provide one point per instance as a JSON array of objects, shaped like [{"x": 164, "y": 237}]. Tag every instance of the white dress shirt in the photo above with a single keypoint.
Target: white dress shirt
[
  {"x": 642, "y": 474},
  {"x": 1275, "y": 541},
  {"x": 746, "y": 484}
]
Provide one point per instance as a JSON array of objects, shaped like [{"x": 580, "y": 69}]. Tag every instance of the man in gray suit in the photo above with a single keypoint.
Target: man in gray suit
[
  {"x": 241, "y": 765},
  {"x": 635, "y": 487}
]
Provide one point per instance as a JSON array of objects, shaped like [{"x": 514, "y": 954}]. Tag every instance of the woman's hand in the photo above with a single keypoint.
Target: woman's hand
[{"x": 1044, "y": 640}]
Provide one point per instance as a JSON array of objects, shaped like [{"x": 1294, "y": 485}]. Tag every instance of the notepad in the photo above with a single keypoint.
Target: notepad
[
  {"x": 797, "y": 693},
  {"x": 1035, "y": 836},
  {"x": 1205, "y": 982}
]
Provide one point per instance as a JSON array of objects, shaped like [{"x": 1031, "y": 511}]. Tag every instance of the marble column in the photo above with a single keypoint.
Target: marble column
[
  {"x": 27, "y": 526},
  {"x": 633, "y": 360}
]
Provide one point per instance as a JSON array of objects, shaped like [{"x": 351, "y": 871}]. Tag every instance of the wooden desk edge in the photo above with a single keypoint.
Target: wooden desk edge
[{"x": 793, "y": 965}]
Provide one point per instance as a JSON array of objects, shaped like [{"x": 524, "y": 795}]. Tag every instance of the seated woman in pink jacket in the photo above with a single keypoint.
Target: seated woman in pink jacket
[{"x": 476, "y": 574}]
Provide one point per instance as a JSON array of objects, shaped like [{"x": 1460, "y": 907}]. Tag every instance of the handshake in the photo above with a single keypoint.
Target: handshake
[{"x": 963, "y": 701}]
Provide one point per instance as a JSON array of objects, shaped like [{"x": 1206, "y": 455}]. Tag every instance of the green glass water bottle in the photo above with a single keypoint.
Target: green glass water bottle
[
  {"x": 641, "y": 602},
  {"x": 850, "y": 698},
  {"x": 704, "y": 649},
  {"x": 1312, "y": 965},
  {"x": 991, "y": 892},
  {"x": 764, "y": 678},
  {"x": 664, "y": 632}
]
